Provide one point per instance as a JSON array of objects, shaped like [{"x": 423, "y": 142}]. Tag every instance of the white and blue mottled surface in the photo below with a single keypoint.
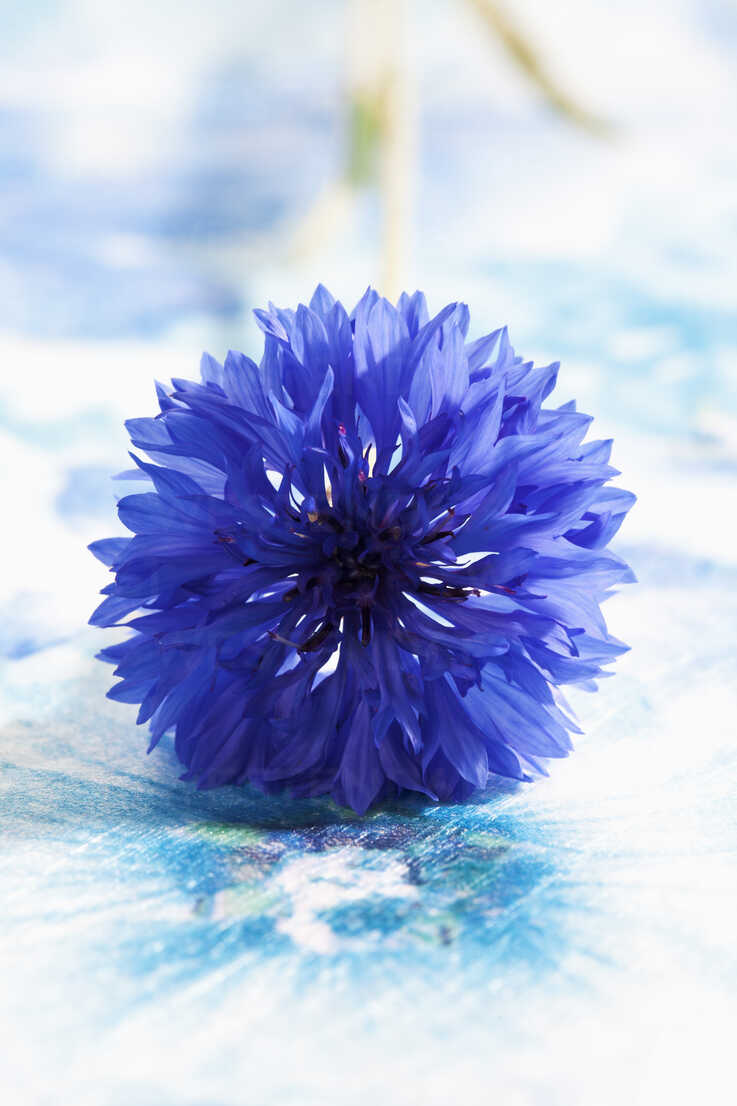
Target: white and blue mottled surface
[{"x": 570, "y": 943}]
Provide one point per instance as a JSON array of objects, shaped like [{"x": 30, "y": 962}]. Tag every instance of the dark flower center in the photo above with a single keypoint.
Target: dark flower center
[{"x": 361, "y": 569}]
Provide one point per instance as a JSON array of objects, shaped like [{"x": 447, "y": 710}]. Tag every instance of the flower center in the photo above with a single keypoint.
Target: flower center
[{"x": 360, "y": 570}]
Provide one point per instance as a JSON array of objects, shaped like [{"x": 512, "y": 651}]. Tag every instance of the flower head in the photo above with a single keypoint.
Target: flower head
[{"x": 367, "y": 563}]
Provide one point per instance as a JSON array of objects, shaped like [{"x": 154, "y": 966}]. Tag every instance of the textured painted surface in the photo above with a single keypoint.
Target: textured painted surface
[{"x": 566, "y": 943}]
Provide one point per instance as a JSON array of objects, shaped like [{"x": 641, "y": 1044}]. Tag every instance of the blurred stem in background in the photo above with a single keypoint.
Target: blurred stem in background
[
  {"x": 381, "y": 125},
  {"x": 382, "y": 128},
  {"x": 528, "y": 60},
  {"x": 380, "y": 140}
]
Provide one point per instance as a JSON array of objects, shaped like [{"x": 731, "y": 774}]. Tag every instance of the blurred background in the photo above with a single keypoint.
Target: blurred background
[{"x": 568, "y": 169}]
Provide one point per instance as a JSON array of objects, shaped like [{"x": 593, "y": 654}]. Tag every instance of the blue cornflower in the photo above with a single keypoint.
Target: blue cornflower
[{"x": 367, "y": 563}]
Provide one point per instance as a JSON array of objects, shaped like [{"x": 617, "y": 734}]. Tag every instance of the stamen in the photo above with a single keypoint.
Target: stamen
[
  {"x": 283, "y": 640},
  {"x": 428, "y": 538},
  {"x": 365, "y": 625},
  {"x": 315, "y": 641},
  {"x": 447, "y": 591}
]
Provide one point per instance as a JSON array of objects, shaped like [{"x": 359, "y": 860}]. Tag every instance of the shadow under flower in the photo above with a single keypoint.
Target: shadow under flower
[
  {"x": 411, "y": 875},
  {"x": 186, "y": 883}
]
